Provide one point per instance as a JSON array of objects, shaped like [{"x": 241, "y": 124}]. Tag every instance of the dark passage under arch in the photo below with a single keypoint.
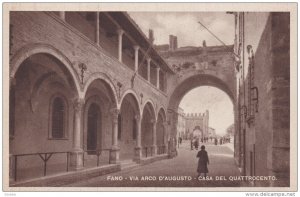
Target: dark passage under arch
[{"x": 94, "y": 125}]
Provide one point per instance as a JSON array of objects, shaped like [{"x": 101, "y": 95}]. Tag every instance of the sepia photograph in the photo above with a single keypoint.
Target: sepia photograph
[{"x": 150, "y": 97}]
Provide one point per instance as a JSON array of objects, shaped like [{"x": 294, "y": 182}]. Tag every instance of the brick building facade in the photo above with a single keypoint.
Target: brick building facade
[
  {"x": 262, "y": 140},
  {"x": 84, "y": 87},
  {"x": 198, "y": 120}
]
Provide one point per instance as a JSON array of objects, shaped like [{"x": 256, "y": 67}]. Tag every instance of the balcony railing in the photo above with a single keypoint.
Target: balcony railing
[
  {"x": 161, "y": 149},
  {"x": 44, "y": 156},
  {"x": 95, "y": 162},
  {"x": 21, "y": 173},
  {"x": 148, "y": 151}
]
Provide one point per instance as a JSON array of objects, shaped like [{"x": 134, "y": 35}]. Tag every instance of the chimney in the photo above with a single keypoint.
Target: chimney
[
  {"x": 172, "y": 42},
  {"x": 175, "y": 42},
  {"x": 151, "y": 36}
]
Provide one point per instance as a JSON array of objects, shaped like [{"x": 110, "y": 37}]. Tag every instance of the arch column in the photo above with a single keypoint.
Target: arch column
[
  {"x": 114, "y": 155},
  {"x": 138, "y": 148},
  {"x": 157, "y": 77},
  {"x": 148, "y": 69},
  {"x": 154, "y": 146},
  {"x": 172, "y": 148},
  {"x": 136, "y": 57},
  {"x": 120, "y": 38},
  {"x": 166, "y": 136},
  {"x": 76, "y": 156}
]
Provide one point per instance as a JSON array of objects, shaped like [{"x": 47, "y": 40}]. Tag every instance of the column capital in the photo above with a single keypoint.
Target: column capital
[
  {"x": 78, "y": 104},
  {"x": 148, "y": 60},
  {"x": 115, "y": 112},
  {"x": 137, "y": 117},
  {"x": 136, "y": 47},
  {"x": 153, "y": 121},
  {"x": 157, "y": 68},
  {"x": 120, "y": 32}
]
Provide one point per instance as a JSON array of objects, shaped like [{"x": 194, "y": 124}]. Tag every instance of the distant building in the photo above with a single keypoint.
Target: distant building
[
  {"x": 195, "y": 120},
  {"x": 211, "y": 132}
]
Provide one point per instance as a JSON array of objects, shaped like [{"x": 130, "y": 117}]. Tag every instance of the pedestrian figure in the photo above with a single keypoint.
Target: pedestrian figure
[
  {"x": 196, "y": 144},
  {"x": 216, "y": 141},
  {"x": 203, "y": 161}
]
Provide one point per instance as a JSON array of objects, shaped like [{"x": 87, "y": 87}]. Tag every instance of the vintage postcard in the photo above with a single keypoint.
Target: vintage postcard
[{"x": 150, "y": 97}]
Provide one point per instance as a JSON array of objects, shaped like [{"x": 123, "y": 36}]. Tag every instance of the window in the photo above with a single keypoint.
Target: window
[{"x": 58, "y": 117}]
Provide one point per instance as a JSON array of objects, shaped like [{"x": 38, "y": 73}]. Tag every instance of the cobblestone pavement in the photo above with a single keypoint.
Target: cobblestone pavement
[{"x": 182, "y": 167}]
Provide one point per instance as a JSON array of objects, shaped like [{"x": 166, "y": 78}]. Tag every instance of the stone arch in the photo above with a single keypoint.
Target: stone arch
[
  {"x": 151, "y": 105},
  {"x": 134, "y": 94},
  {"x": 104, "y": 77},
  {"x": 196, "y": 81},
  {"x": 162, "y": 112},
  {"x": 161, "y": 131},
  {"x": 148, "y": 122},
  {"x": 127, "y": 121},
  {"x": 182, "y": 88},
  {"x": 99, "y": 90},
  {"x": 36, "y": 79},
  {"x": 38, "y": 48}
]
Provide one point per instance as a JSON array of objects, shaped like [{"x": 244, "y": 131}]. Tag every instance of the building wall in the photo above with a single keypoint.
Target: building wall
[
  {"x": 193, "y": 120},
  {"x": 264, "y": 135},
  {"x": 29, "y": 28},
  {"x": 214, "y": 61},
  {"x": 32, "y": 135},
  {"x": 46, "y": 34},
  {"x": 211, "y": 132}
]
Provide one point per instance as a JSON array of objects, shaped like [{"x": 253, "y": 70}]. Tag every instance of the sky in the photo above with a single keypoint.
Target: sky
[
  {"x": 216, "y": 101},
  {"x": 189, "y": 32},
  {"x": 185, "y": 26}
]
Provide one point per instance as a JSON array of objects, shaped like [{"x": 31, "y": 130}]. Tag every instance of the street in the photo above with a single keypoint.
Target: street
[{"x": 176, "y": 172}]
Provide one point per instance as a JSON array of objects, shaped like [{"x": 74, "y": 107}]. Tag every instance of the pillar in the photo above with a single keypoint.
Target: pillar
[
  {"x": 76, "y": 156},
  {"x": 148, "y": 69},
  {"x": 120, "y": 37},
  {"x": 136, "y": 58},
  {"x": 115, "y": 150},
  {"x": 154, "y": 146},
  {"x": 97, "y": 29},
  {"x": 138, "y": 148},
  {"x": 62, "y": 15},
  {"x": 157, "y": 77},
  {"x": 172, "y": 149},
  {"x": 166, "y": 136}
]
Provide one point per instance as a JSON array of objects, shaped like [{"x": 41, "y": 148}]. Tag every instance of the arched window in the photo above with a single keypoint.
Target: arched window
[{"x": 58, "y": 118}]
